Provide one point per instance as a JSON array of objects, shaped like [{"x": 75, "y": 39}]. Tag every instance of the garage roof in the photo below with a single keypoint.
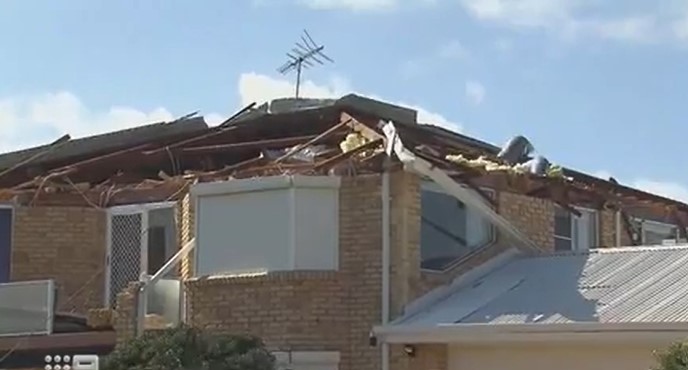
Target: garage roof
[{"x": 609, "y": 286}]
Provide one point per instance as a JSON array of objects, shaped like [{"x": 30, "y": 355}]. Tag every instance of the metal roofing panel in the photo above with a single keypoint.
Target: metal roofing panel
[{"x": 635, "y": 284}]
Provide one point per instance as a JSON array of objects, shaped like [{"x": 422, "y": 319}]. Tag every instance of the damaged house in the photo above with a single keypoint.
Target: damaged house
[{"x": 345, "y": 234}]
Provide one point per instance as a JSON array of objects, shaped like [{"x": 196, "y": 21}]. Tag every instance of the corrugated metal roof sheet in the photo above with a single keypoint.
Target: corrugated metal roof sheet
[{"x": 636, "y": 284}]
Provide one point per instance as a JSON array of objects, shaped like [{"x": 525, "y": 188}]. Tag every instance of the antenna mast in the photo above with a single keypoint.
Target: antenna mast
[{"x": 305, "y": 53}]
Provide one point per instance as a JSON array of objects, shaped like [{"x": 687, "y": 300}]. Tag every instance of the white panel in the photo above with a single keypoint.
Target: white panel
[
  {"x": 26, "y": 308},
  {"x": 244, "y": 231},
  {"x": 317, "y": 229}
]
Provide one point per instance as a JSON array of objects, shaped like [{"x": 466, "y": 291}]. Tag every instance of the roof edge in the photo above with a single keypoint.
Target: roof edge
[
  {"x": 521, "y": 333},
  {"x": 442, "y": 292}
]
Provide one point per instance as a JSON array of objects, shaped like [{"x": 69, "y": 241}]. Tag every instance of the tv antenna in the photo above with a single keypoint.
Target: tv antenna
[{"x": 305, "y": 54}]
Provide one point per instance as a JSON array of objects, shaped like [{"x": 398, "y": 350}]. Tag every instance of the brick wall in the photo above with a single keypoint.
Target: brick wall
[
  {"x": 607, "y": 220},
  {"x": 533, "y": 216},
  {"x": 186, "y": 220},
  {"x": 66, "y": 244},
  {"x": 309, "y": 311},
  {"x": 335, "y": 311}
]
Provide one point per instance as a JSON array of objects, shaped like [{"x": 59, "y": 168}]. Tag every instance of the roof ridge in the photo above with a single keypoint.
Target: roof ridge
[{"x": 611, "y": 250}]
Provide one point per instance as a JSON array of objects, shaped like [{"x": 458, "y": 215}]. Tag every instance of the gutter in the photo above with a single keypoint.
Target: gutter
[
  {"x": 523, "y": 333},
  {"x": 386, "y": 270}
]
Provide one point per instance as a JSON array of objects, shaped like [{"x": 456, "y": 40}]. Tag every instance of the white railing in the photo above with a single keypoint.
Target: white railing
[
  {"x": 27, "y": 308},
  {"x": 165, "y": 295}
]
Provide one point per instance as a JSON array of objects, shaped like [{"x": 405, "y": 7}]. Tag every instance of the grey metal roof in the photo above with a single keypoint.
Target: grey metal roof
[
  {"x": 635, "y": 284},
  {"x": 108, "y": 141}
]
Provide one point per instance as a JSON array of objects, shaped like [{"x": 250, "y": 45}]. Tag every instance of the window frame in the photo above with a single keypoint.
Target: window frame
[
  {"x": 428, "y": 185},
  {"x": 293, "y": 186},
  {"x": 643, "y": 231},
  {"x": 574, "y": 227}
]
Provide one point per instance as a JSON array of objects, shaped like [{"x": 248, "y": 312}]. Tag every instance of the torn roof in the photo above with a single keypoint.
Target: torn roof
[
  {"x": 287, "y": 136},
  {"x": 103, "y": 143},
  {"x": 617, "y": 285}
]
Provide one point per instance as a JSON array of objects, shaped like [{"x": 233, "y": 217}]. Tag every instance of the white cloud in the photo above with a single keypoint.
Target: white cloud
[
  {"x": 260, "y": 88},
  {"x": 30, "y": 120},
  {"x": 37, "y": 119},
  {"x": 356, "y": 5},
  {"x": 360, "y": 5},
  {"x": 669, "y": 189},
  {"x": 453, "y": 50},
  {"x": 662, "y": 21},
  {"x": 475, "y": 92}
]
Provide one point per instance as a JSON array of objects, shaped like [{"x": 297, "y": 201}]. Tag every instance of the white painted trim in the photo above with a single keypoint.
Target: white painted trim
[
  {"x": 137, "y": 208},
  {"x": 292, "y": 227},
  {"x": 108, "y": 258},
  {"x": 51, "y": 306},
  {"x": 523, "y": 333},
  {"x": 264, "y": 183},
  {"x": 130, "y": 209},
  {"x": 197, "y": 235},
  {"x": 143, "y": 267}
]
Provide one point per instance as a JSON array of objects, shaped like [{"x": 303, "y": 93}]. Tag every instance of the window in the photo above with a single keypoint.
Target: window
[
  {"x": 654, "y": 233},
  {"x": 449, "y": 229},
  {"x": 276, "y": 223},
  {"x": 141, "y": 238},
  {"x": 573, "y": 233},
  {"x": 5, "y": 243}
]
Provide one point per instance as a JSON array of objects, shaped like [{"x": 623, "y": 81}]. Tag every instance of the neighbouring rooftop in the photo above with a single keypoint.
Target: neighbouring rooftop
[{"x": 617, "y": 285}]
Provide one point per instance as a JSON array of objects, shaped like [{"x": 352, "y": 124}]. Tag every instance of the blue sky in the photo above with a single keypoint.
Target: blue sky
[{"x": 596, "y": 85}]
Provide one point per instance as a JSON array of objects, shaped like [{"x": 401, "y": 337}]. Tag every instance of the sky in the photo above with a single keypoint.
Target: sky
[{"x": 596, "y": 85}]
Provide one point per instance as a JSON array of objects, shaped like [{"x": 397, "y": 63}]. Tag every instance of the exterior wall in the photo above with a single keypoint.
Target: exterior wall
[
  {"x": 533, "y": 216},
  {"x": 186, "y": 221},
  {"x": 67, "y": 244},
  {"x": 335, "y": 310},
  {"x": 546, "y": 357},
  {"x": 608, "y": 230},
  {"x": 426, "y": 357},
  {"x": 309, "y": 310}
]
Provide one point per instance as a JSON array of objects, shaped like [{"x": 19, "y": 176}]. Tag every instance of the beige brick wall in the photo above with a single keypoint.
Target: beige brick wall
[
  {"x": 186, "y": 221},
  {"x": 533, "y": 216},
  {"x": 336, "y": 310},
  {"x": 327, "y": 310},
  {"x": 66, "y": 244},
  {"x": 607, "y": 220}
]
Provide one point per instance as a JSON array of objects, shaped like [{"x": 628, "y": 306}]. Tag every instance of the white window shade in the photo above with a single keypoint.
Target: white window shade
[
  {"x": 276, "y": 223},
  {"x": 655, "y": 233}
]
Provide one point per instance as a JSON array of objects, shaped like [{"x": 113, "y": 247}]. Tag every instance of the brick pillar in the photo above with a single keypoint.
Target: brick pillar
[
  {"x": 608, "y": 230},
  {"x": 125, "y": 314},
  {"x": 186, "y": 222},
  {"x": 405, "y": 240}
]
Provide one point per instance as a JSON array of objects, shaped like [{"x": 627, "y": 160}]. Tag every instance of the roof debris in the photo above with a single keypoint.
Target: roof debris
[{"x": 342, "y": 138}]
